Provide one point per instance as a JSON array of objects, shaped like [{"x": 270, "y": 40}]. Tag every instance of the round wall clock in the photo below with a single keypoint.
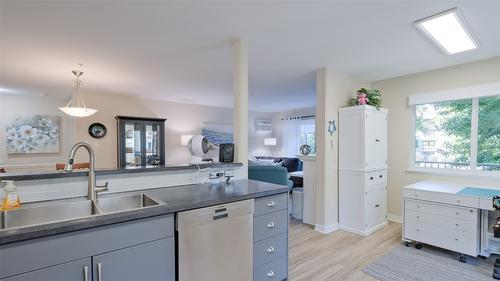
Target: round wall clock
[{"x": 97, "y": 130}]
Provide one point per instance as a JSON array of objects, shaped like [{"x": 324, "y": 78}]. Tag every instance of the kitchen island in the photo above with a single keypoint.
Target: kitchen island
[{"x": 119, "y": 239}]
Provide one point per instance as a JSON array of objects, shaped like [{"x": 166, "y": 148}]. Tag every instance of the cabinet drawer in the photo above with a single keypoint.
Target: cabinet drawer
[
  {"x": 376, "y": 209},
  {"x": 458, "y": 241},
  {"x": 275, "y": 271},
  {"x": 270, "y": 249},
  {"x": 446, "y": 198},
  {"x": 375, "y": 178},
  {"x": 270, "y": 204},
  {"x": 453, "y": 224},
  {"x": 269, "y": 225},
  {"x": 466, "y": 214}
]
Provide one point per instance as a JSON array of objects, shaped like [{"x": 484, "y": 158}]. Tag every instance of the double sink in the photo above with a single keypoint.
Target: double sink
[{"x": 44, "y": 214}]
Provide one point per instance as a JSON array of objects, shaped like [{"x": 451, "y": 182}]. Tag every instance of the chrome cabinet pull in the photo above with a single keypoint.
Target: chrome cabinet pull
[
  {"x": 99, "y": 271},
  {"x": 271, "y": 250},
  {"x": 86, "y": 273},
  {"x": 271, "y": 204},
  {"x": 271, "y": 274},
  {"x": 271, "y": 225}
]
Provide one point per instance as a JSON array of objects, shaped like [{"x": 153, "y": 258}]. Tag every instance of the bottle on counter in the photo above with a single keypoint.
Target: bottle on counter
[{"x": 10, "y": 199}]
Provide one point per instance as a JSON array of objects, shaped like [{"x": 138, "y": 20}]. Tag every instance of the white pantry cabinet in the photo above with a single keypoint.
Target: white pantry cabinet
[{"x": 362, "y": 169}]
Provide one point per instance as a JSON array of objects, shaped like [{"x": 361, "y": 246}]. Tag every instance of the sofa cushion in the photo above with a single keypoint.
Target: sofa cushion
[{"x": 292, "y": 164}]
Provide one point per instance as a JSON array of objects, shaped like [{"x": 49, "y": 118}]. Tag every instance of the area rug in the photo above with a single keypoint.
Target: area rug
[{"x": 428, "y": 264}]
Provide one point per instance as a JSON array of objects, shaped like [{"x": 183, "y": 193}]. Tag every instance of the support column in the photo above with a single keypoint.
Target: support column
[
  {"x": 326, "y": 154},
  {"x": 240, "y": 103}
]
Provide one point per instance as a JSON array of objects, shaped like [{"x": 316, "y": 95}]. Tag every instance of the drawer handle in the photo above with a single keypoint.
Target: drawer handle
[
  {"x": 271, "y": 274},
  {"x": 271, "y": 250},
  {"x": 376, "y": 206},
  {"x": 380, "y": 176},
  {"x": 371, "y": 178},
  {"x": 271, "y": 225},
  {"x": 99, "y": 271},
  {"x": 377, "y": 140},
  {"x": 86, "y": 273},
  {"x": 271, "y": 204}
]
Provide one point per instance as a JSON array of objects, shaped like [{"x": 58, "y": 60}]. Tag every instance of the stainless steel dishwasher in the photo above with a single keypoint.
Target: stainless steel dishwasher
[{"x": 216, "y": 243}]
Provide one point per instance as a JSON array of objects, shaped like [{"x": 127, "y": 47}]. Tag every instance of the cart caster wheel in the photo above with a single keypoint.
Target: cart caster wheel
[
  {"x": 496, "y": 276},
  {"x": 408, "y": 244},
  {"x": 497, "y": 263},
  {"x": 463, "y": 259},
  {"x": 418, "y": 246}
]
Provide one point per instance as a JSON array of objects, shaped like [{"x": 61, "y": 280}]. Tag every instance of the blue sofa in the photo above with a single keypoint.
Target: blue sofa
[{"x": 271, "y": 174}]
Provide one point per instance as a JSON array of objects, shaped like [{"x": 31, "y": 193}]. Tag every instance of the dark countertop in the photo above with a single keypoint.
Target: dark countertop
[
  {"x": 174, "y": 199},
  {"x": 128, "y": 170}
]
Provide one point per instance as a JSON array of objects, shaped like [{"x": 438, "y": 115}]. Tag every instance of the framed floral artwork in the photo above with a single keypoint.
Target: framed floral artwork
[{"x": 33, "y": 134}]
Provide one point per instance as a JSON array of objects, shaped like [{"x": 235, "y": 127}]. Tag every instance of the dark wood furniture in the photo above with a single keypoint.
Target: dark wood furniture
[{"x": 141, "y": 141}]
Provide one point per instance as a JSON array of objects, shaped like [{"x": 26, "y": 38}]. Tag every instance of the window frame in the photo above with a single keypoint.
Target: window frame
[{"x": 473, "y": 149}]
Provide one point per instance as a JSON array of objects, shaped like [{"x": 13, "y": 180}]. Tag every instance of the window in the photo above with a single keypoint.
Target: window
[
  {"x": 307, "y": 134},
  {"x": 459, "y": 134}
]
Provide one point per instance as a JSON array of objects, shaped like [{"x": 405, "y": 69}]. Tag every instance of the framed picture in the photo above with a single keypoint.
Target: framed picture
[{"x": 33, "y": 134}]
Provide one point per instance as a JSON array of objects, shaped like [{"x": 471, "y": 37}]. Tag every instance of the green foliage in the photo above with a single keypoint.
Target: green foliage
[
  {"x": 374, "y": 97},
  {"x": 457, "y": 123}
]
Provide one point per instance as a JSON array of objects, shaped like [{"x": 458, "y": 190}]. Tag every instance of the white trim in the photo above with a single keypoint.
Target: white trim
[
  {"x": 413, "y": 128},
  {"x": 395, "y": 218},
  {"x": 455, "y": 94},
  {"x": 325, "y": 229},
  {"x": 473, "y": 134},
  {"x": 454, "y": 173},
  {"x": 366, "y": 232}
]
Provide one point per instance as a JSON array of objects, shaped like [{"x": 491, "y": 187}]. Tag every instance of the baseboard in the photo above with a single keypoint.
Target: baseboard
[
  {"x": 395, "y": 218},
  {"x": 360, "y": 232},
  {"x": 326, "y": 228}
]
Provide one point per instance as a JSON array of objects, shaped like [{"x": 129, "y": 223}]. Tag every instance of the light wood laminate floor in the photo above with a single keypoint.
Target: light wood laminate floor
[{"x": 339, "y": 255}]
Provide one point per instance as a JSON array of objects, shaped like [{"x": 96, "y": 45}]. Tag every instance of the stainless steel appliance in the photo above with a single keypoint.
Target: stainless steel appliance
[{"x": 216, "y": 243}]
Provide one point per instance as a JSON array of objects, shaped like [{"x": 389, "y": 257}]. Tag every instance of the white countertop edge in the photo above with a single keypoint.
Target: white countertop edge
[{"x": 454, "y": 173}]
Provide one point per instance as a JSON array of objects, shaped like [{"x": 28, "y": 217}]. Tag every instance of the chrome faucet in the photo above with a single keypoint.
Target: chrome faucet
[{"x": 93, "y": 189}]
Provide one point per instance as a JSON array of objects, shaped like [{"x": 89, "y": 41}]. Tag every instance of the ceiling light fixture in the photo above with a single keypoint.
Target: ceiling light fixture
[
  {"x": 449, "y": 31},
  {"x": 76, "y": 106}
]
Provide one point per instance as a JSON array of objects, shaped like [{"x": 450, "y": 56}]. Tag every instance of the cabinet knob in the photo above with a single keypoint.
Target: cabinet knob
[
  {"x": 456, "y": 224},
  {"x": 371, "y": 178},
  {"x": 271, "y": 225},
  {"x": 271, "y": 250},
  {"x": 418, "y": 230},
  {"x": 418, "y": 217},
  {"x": 377, "y": 140},
  {"x": 271, "y": 204},
  {"x": 271, "y": 274},
  {"x": 380, "y": 176},
  {"x": 456, "y": 239}
]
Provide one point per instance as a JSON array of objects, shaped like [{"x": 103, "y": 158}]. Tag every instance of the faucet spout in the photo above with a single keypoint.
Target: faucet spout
[{"x": 93, "y": 189}]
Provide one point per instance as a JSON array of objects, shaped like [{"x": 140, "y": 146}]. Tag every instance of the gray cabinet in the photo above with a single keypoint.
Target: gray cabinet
[
  {"x": 152, "y": 261},
  {"x": 271, "y": 238},
  {"x": 136, "y": 250},
  {"x": 74, "y": 271}
]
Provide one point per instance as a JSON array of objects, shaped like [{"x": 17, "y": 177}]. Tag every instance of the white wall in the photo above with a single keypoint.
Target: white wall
[
  {"x": 256, "y": 145},
  {"x": 181, "y": 119},
  {"x": 395, "y": 94},
  {"x": 12, "y": 106}
]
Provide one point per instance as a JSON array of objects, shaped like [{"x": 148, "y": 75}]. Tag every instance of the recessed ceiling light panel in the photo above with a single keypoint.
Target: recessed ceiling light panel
[{"x": 449, "y": 31}]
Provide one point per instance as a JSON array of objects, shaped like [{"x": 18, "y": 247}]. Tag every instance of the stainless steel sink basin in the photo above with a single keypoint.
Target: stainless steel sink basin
[
  {"x": 46, "y": 214},
  {"x": 125, "y": 203}
]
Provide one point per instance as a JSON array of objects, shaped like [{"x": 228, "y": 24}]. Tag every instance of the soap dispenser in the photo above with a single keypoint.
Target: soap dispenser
[{"x": 10, "y": 199}]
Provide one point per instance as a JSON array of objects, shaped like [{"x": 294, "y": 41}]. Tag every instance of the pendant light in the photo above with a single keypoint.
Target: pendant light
[{"x": 76, "y": 106}]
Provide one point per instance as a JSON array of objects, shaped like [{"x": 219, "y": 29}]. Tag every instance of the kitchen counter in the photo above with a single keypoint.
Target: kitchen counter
[
  {"x": 172, "y": 199},
  {"x": 119, "y": 171}
]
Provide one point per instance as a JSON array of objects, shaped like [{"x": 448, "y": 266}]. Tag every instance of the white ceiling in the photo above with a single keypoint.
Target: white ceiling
[{"x": 180, "y": 51}]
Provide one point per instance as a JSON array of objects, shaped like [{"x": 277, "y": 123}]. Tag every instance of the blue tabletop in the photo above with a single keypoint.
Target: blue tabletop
[{"x": 480, "y": 192}]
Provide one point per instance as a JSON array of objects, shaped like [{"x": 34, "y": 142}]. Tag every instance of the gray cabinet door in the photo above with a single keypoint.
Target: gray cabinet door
[
  {"x": 153, "y": 261},
  {"x": 74, "y": 271}
]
